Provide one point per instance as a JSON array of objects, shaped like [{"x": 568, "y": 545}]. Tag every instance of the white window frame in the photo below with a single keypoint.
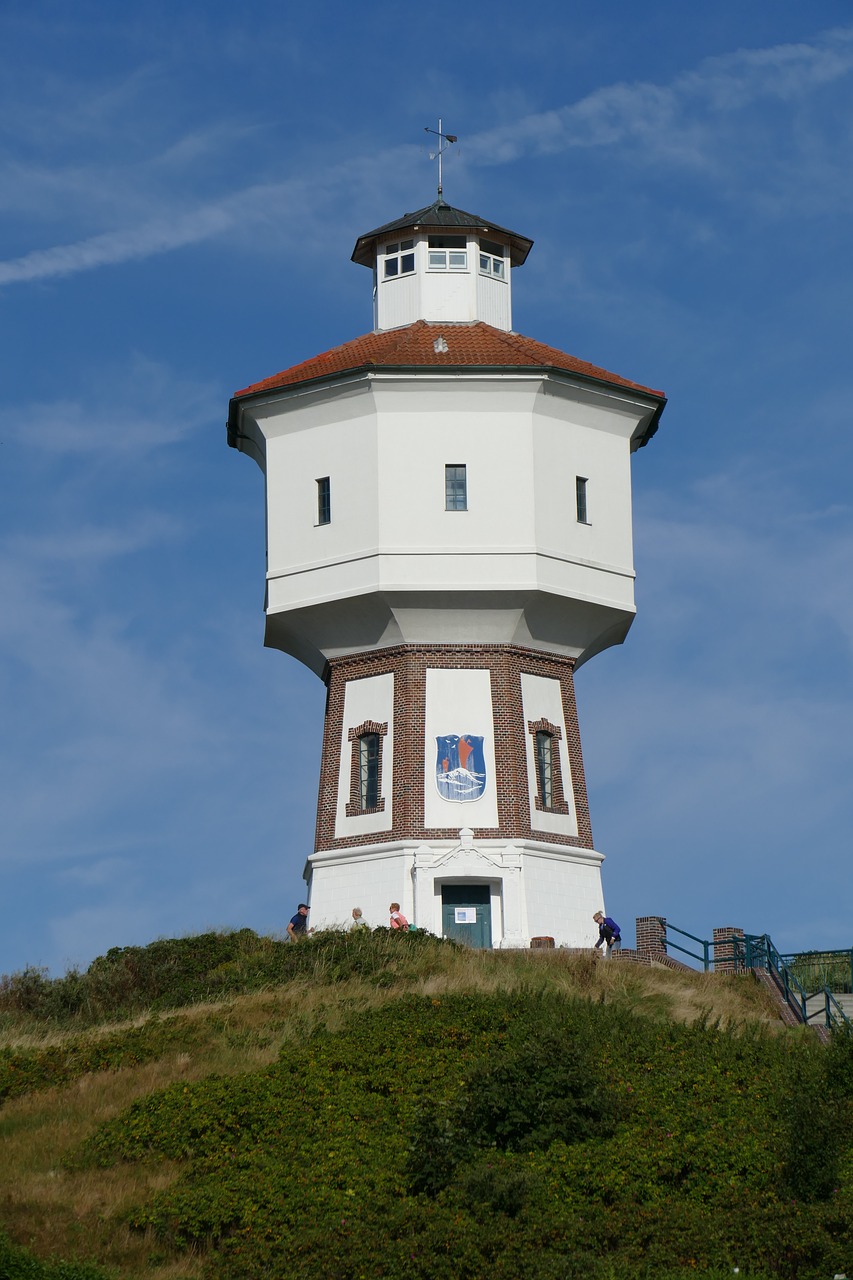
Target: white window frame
[
  {"x": 447, "y": 257},
  {"x": 491, "y": 263},
  {"x": 402, "y": 254}
]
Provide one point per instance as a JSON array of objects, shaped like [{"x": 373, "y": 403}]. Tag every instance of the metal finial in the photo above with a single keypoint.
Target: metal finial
[{"x": 444, "y": 141}]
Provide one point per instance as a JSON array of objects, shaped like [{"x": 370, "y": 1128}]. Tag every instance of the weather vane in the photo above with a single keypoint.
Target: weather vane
[{"x": 444, "y": 141}]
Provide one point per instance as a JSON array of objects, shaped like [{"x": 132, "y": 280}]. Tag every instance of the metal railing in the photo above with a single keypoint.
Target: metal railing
[
  {"x": 813, "y": 1002},
  {"x": 756, "y": 951},
  {"x": 815, "y": 1007},
  {"x": 705, "y": 959}
]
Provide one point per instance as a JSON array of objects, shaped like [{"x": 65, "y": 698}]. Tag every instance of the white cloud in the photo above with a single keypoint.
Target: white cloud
[
  {"x": 114, "y": 247},
  {"x": 696, "y": 121},
  {"x": 664, "y": 117},
  {"x": 120, "y": 689},
  {"x": 100, "y": 873},
  {"x": 125, "y": 410}
]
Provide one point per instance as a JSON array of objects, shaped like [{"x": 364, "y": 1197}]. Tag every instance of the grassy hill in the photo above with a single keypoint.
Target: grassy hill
[{"x": 370, "y": 1105}]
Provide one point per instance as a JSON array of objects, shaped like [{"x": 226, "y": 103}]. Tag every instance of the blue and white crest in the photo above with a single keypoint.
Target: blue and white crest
[{"x": 460, "y": 766}]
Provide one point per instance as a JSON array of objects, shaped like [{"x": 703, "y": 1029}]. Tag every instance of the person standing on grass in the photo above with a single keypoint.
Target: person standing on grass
[
  {"x": 298, "y": 926},
  {"x": 357, "y": 922},
  {"x": 398, "y": 920},
  {"x": 609, "y": 934}
]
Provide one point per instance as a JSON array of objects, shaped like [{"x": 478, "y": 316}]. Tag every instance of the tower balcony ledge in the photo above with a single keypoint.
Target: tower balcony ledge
[{"x": 569, "y": 626}]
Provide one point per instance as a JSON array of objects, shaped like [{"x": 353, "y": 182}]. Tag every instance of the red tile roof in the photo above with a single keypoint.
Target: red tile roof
[{"x": 474, "y": 345}]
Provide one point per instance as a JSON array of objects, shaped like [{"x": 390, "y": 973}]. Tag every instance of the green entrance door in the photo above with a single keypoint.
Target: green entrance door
[{"x": 466, "y": 914}]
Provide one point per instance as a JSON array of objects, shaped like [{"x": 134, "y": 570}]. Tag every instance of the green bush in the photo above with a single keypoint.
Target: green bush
[
  {"x": 535, "y": 1090},
  {"x": 564, "y": 1139},
  {"x": 175, "y": 972},
  {"x": 817, "y": 1130},
  {"x": 19, "y": 1264},
  {"x": 26, "y": 1071},
  {"x": 498, "y": 1185}
]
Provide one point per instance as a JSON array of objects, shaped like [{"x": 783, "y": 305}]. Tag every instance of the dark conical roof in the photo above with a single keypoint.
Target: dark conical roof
[{"x": 438, "y": 216}]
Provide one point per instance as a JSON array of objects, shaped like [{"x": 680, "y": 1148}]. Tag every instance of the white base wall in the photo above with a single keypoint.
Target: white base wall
[{"x": 537, "y": 889}]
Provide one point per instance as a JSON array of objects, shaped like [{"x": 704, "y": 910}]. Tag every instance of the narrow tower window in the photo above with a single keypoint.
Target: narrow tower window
[
  {"x": 366, "y": 768},
  {"x": 456, "y": 487},
  {"x": 546, "y": 762},
  {"x": 324, "y": 501},
  {"x": 545, "y": 768},
  {"x": 580, "y": 498}
]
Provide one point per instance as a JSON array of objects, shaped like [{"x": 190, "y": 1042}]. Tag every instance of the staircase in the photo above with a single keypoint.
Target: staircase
[{"x": 812, "y": 987}]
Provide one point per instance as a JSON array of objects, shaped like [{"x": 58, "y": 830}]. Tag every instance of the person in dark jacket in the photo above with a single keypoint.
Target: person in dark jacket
[
  {"x": 298, "y": 926},
  {"x": 609, "y": 935}
]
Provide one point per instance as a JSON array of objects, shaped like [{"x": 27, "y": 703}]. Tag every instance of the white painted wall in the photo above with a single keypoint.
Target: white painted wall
[
  {"x": 459, "y": 701},
  {"x": 536, "y": 890},
  {"x": 494, "y": 300},
  {"x": 449, "y": 295},
  {"x": 398, "y": 301},
  {"x": 455, "y": 296},
  {"x": 423, "y": 426},
  {"x": 386, "y": 456},
  {"x": 312, "y": 440},
  {"x": 573, "y": 439},
  {"x": 516, "y": 567},
  {"x": 370, "y": 698},
  {"x": 371, "y": 878},
  {"x": 541, "y": 699},
  {"x": 562, "y": 897}
]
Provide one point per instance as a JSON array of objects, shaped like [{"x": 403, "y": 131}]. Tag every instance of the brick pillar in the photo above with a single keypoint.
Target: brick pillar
[
  {"x": 651, "y": 938},
  {"x": 725, "y": 954}
]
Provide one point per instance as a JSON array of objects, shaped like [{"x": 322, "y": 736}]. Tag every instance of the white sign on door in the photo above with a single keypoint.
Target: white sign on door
[{"x": 465, "y": 915}]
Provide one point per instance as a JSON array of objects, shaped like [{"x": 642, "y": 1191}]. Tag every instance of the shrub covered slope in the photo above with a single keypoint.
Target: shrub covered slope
[{"x": 395, "y": 1107}]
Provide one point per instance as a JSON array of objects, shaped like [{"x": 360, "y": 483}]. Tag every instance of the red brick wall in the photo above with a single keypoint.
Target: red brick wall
[
  {"x": 725, "y": 956},
  {"x": 409, "y": 664},
  {"x": 651, "y": 938}
]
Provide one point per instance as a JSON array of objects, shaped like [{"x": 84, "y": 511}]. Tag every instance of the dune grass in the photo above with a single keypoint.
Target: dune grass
[{"x": 234, "y": 1018}]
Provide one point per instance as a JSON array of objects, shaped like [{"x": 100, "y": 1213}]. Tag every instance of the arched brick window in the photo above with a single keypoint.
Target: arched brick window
[
  {"x": 366, "y": 768},
  {"x": 550, "y": 797}
]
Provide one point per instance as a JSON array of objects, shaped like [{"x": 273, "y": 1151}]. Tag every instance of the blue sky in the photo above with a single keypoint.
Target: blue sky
[{"x": 181, "y": 187}]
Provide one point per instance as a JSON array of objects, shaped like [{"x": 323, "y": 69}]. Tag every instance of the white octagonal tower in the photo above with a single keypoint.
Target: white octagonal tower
[{"x": 448, "y": 538}]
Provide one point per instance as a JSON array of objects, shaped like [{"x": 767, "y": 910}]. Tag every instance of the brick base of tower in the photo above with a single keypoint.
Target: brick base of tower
[{"x": 452, "y": 782}]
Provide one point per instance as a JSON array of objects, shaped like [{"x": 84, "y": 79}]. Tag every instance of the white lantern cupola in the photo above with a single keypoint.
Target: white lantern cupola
[{"x": 441, "y": 264}]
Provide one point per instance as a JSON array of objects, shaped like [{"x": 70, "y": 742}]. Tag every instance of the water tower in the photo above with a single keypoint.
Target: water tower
[{"x": 448, "y": 510}]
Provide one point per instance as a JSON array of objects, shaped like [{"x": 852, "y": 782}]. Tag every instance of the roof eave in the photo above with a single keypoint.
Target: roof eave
[
  {"x": 654, "y": 423},
  {"x": 424, "y": 220},
  {"x": 364, "y": 253},
  {"x": 235, "y": 436},
  {"x": 232, "y": 424}
]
